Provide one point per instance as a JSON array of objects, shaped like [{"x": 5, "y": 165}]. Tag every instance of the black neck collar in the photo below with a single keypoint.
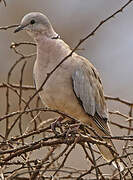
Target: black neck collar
[{"x": 56, "y": 37}]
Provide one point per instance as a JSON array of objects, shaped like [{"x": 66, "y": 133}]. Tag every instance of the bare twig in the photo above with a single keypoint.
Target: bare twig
[{"x": 17, "y": 152}]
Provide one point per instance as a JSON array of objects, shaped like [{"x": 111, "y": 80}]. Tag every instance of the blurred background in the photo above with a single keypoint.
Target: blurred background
[{"x": 110, "y": 50}]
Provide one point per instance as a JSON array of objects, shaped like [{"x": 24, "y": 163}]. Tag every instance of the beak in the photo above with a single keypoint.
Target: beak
[{"x": 20, "y": 27}]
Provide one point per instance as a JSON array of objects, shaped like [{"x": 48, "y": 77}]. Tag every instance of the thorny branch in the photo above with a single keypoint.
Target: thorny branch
[{"x": 20, "y": 151}]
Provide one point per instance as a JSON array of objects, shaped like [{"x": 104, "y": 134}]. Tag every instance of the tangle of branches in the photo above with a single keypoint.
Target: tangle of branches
[{"x": 21, "y": 154}]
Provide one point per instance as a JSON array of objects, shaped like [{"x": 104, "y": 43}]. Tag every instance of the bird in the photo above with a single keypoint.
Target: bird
[{"x": 75, "y": 88}]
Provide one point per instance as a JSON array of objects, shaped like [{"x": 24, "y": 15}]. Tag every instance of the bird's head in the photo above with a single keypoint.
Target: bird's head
[{"x": 35, "y": 23}]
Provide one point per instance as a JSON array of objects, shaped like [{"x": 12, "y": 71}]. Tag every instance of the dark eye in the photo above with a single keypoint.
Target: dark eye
[{"x": 32, "y": 21}]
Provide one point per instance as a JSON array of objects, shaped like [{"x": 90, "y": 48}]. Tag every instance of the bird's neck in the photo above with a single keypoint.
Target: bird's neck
[
  {"x": 47, "y": 33},
  {"x": 50, "y": 51}
]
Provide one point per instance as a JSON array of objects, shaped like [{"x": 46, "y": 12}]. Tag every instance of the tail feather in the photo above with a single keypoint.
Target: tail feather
[
  {"x": 109, "y": 156},
  {"x": 106, "y": 152},
  {"x": 120, "y": 164}
]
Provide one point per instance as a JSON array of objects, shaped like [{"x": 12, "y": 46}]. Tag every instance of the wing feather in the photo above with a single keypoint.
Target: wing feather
[{"x": 88, "y": 89}]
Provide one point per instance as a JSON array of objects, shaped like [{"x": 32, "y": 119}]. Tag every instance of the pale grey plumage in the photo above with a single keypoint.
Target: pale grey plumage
[
  {"x": 90, "y": 92},
  {"x": 75, "y": 87},
  {"x": 88, "y": 88}
]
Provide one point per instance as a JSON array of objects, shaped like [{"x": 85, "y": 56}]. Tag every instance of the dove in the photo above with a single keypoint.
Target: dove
[{"x": 75, "y": 88}]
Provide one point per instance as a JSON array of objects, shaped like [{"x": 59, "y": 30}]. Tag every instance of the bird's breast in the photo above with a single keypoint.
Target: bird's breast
[
  {"x": 57, "y": 93},
  {"x": 56, "y": 89}
]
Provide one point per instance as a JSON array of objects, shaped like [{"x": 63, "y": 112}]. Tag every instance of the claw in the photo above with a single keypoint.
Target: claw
[{"x": 73, "y": 129}]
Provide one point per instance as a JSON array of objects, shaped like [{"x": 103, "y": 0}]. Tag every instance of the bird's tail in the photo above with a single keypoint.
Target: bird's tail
[{"x": 108, "y": 155}]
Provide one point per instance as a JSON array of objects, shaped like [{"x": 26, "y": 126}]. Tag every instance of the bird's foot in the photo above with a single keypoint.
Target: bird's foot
[
  {"x": 72, "y": 130},
  {"x": 57, "y": 124}
]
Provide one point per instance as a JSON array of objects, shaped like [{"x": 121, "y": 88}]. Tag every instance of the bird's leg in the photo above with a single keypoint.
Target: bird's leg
[{"x": 57, "y": 123}]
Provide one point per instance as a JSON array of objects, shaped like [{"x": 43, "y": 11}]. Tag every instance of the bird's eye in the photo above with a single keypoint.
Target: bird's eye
[{"x": 32, "y": 21}]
